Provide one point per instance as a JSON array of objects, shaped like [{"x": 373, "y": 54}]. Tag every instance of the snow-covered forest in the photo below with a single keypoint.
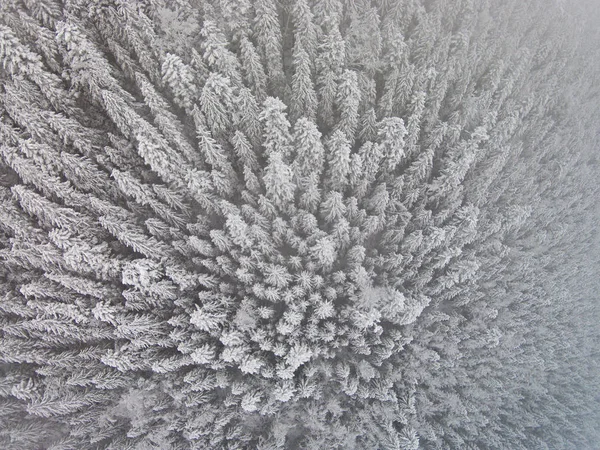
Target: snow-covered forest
[{"x": 299, "y": 224}]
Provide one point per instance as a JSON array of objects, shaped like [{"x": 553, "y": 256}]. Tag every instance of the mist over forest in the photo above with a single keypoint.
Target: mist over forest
[{"x": 299, "y": 224}]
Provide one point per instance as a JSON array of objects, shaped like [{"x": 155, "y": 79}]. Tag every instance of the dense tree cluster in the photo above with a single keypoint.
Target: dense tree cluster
[{"x": 316, "y": 224}]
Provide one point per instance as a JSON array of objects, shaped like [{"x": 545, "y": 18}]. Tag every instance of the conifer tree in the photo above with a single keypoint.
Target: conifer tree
[
  {"x": 278, "y": 180},
  {"x": 339, "y": 161}
]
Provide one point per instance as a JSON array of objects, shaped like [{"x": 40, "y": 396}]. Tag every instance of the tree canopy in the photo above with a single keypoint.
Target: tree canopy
[{"x": 308, "y": 224}]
